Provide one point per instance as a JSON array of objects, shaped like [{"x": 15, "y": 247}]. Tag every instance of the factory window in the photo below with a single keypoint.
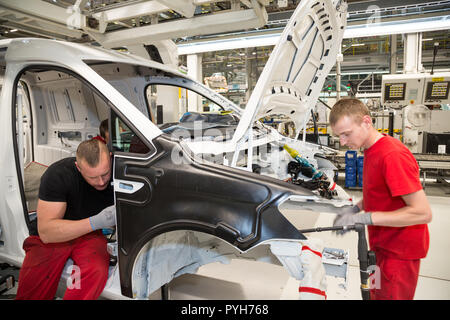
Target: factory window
[{"x": 168, "y": 103}]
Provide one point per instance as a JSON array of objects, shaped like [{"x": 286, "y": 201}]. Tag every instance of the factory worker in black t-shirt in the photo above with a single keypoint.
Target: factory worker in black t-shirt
[{"x": 76, "y": 201}]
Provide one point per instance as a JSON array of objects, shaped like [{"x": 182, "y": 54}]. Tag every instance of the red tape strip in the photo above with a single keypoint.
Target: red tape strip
[
  {"x": 312, "y": 290},
  {"x": 315, "y": 252}
]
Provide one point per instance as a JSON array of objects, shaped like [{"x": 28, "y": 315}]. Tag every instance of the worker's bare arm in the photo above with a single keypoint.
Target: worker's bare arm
[
  {"x": 416, "y": 211},
  {"x": 53, "y": 228}
]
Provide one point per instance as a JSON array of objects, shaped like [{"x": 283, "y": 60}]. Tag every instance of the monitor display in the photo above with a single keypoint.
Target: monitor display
[
  {"x": 437, "y": 90},
  {"x": 394, "y": 91}
]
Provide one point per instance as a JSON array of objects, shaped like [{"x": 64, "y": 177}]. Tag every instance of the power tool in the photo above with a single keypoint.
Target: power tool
[{"x": 316, "y": 174}]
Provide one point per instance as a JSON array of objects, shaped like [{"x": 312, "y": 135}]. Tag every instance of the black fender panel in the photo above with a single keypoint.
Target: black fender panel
[{"x": 237, "y": 206}]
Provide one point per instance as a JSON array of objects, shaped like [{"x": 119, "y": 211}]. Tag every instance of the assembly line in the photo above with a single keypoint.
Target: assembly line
[{"x": 145, "y": 143}]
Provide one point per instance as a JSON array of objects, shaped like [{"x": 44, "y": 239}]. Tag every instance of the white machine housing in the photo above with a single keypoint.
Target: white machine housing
[
  {"x": 400, "y": 90},
  {"x": 412, "y": 93}
]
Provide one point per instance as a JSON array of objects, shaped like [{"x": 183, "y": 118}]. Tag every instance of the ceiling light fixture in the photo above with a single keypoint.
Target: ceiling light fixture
[{"x": 354, "y": 31}]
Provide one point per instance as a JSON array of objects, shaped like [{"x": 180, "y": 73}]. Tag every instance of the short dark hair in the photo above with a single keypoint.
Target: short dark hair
[
  {"x": 350, "y": 107},
  {"x": 90, "y": 151},
  {"x": 103, "y": 128}
]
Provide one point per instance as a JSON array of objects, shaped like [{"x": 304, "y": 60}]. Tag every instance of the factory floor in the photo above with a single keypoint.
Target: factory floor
[
  {"x": 257, "y": 280},
  {"x": 250, "y": 280}
]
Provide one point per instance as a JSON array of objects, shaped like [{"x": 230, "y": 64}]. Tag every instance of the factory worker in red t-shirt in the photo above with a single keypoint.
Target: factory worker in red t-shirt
[{"x": 395, "y": 206}]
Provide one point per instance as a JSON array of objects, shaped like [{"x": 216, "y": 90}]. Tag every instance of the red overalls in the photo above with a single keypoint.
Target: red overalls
[{"x": 43, "y": 264}]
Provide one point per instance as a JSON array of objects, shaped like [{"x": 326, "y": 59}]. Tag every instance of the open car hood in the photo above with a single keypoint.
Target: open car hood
[{"x": 296, "y": 70}]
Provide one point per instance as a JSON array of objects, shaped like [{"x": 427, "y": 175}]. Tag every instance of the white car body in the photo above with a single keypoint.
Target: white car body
[{"x": 289, "y": 85}]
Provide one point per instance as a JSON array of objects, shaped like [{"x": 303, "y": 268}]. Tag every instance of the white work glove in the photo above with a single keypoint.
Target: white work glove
[
  {"x": 104, "y": 219},
  {"x": 349, "y": 216}
]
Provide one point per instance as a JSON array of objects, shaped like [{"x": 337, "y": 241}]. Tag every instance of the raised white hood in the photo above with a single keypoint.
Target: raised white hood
[{"x": 293, "y": 77}]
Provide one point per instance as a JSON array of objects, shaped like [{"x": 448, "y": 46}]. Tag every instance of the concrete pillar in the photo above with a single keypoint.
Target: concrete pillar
[
  {"x": 412, "y": 53},
  {"x": 393, "y": 55},
  {"x": 248, "y": 73},
  {"x": 194, "y": 66}
]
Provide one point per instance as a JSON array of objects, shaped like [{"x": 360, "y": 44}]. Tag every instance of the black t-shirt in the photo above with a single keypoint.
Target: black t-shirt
[{"x": 62, "y": 182}]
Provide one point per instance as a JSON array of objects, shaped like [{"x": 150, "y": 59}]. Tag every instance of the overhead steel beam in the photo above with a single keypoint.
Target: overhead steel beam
[
  {"x": 131, "y": 11},
  {"x": 246, "y": 2},
  {"x": 42, "y": 15},
  {"x": 183, "y": 7},
  {"x": 33, "y": 31},
  {"x": 38, "y": 10},
  {"x": 27, "y": 24},
  {"x": 209, "y": 24},
  {"x": 260, "y": 11},
  {"x": 202, "y": 2}
]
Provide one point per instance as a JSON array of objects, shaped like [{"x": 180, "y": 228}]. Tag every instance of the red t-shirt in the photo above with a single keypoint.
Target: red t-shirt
[{"x": 390, "y": 171}]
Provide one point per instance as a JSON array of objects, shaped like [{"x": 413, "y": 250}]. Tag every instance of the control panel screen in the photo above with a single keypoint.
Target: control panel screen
[
  {"x": 394, "y": 91},
  {"x": 437, "y": 90}
]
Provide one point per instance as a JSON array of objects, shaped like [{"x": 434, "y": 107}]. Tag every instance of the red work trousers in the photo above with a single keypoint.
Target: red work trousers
[
  {"x": 43, "y": 264},
  {"x": 398, "y": 278}
]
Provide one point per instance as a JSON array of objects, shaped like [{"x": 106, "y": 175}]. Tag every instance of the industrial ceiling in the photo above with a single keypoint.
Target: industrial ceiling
[
  {"x": 113, "y": 23},
  {"x": 126, "y": 23}
]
